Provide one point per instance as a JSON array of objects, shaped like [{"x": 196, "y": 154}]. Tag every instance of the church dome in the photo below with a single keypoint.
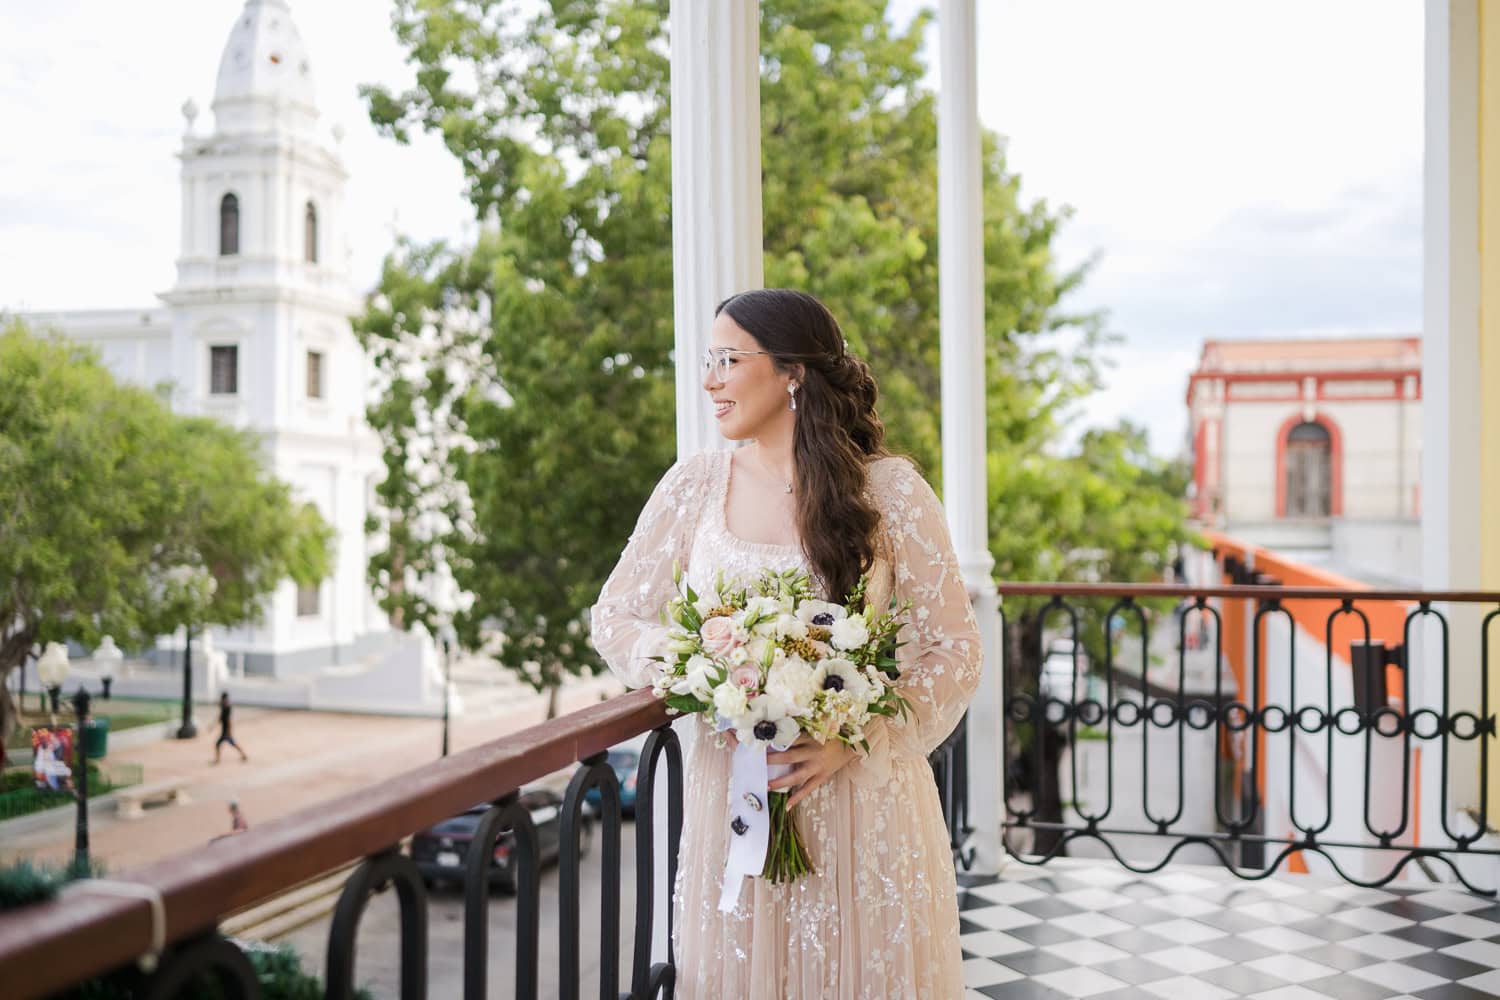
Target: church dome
[{"x": 265, "y": 64}]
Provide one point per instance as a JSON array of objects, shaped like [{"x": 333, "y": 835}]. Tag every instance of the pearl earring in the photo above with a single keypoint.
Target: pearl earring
[{"x": 791, "y": 390}]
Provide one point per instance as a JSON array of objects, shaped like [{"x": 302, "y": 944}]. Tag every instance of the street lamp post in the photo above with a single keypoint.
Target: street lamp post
[
  {"x": 81, "y": 781},
  {"x": 52, "y": 668},
  {"x": 108, "y": 658},
  {"x": 446, "y": 636},
  {"x": 187, "y": 730}
]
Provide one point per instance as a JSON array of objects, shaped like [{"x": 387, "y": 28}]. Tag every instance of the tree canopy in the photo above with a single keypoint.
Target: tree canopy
[
  {"x": 528, "y": 378},
  {"x": 110, "y": 504}
]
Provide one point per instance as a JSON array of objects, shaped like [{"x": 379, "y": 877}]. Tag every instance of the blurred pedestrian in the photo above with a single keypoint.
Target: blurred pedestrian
[
  {"x": 237, "y": 822},
  {"x": 225, "y": 710}
]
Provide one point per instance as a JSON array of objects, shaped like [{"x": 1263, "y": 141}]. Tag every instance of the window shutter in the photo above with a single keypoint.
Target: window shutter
[
  {"x": 314, "y": 375},
  {"x": 224, "y": 374}
]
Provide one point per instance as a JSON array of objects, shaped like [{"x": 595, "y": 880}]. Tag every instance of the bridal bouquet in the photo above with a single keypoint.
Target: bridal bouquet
[{"x": 769, "y": 662}]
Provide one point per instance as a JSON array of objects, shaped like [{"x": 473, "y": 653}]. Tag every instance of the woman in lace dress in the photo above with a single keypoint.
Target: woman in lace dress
[{"x": 816, "y": 490}]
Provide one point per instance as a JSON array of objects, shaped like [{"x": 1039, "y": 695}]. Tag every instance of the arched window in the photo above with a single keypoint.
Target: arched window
[
  {"x": 229, "y": 226},
  {"x": 310, "y": 234},
  {"x": 1309, "y": 471}
]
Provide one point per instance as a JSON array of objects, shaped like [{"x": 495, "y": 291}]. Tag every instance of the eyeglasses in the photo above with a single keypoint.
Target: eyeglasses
[{"x": 721, "y": 360}]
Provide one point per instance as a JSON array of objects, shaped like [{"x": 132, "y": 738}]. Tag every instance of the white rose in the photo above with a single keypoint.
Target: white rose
[
  {"x": 795, "y": 683},
  {"x": 730, "y": 701},
  {"x": 850, "y": 633},
  {"x": 790, "y": 626}
]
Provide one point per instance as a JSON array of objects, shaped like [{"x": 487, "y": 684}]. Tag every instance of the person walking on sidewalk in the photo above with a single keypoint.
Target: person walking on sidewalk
[
  {"x": 224, "y": 733},
  {"x": 237, "y": 822}
]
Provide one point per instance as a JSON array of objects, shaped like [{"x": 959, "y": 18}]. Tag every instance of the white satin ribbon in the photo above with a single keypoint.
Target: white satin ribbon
[{"x": 748, "y": 778}]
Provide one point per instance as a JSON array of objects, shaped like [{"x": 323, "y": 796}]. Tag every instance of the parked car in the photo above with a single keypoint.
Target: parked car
[
  {"x": 624, "y": 759},
  {"x": 441, "y": 853},
  {"x": 1057, "y": 670}
]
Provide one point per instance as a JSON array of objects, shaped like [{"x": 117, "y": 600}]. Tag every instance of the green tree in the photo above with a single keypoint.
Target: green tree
[
  {"x": 110, "y": 505},
  {"x": 535, "y": 367}
]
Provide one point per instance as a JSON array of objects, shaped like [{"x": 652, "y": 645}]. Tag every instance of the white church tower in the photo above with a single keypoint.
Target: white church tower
[
  {"x": 256, "y": 332},
  {"x": 260, "y": 332}
]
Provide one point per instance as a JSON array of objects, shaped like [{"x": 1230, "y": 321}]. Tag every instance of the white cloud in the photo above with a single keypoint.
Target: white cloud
[
  {"x": 89, "y": 210},
  {"x": 1244, "y": 168}
]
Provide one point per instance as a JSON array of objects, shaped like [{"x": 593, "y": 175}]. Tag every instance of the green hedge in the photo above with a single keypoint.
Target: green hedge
[{"x": 19, "y": 795}]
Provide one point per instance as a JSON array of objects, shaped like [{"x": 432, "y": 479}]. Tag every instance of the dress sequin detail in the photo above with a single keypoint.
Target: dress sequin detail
[{"x": 879, "y": 919}]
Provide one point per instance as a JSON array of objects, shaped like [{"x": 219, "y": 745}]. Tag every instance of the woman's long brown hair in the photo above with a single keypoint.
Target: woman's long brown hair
[{"x": 837, "y": 431}]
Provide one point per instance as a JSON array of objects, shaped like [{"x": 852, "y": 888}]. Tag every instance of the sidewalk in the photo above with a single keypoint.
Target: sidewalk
[{"x": 297, "y": 759}]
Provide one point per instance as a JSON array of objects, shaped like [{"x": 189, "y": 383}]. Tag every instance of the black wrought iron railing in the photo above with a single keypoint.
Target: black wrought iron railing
[
  {"x": 950, "y": 769},
  {"x": 1291, "y": 742},
  {"x": 155, "y": 930}
]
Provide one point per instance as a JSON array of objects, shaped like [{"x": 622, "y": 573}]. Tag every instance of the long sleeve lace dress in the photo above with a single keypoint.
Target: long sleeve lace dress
[{"x": 879, "y": 918}]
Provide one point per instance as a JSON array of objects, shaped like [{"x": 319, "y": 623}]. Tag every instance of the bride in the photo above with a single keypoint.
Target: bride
[{"x": 816, "y": 490}]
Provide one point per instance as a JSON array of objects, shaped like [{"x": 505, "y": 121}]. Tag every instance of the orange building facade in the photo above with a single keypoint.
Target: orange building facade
[{"x": 1313, "y": 448}]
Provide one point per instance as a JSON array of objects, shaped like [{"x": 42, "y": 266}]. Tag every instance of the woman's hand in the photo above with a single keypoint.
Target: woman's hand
[{"x": 812, "y": 762}]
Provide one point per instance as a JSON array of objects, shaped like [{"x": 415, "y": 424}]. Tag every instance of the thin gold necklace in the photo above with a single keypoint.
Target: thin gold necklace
[{"x": 764, "y": 465}]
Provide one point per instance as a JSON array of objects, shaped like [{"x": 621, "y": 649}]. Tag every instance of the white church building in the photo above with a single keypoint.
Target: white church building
[{"x": 256, "y": 333}]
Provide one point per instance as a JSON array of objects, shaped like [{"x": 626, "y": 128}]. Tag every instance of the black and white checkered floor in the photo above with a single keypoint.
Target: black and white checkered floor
[{"x": 1089, "y": 929}]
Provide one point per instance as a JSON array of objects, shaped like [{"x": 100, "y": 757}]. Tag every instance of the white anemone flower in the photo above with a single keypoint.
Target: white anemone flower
[
  {"x": 767, "y": 722},
  {"x": 839, "y": 674},
  {"x": 821, "y": 613}
]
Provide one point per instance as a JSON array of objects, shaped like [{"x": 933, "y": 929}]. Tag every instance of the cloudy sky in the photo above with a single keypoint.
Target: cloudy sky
[{"x": 1238, "y": 168}]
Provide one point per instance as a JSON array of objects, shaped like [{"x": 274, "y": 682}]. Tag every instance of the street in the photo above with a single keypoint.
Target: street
[{"x": 298, "y": 759}]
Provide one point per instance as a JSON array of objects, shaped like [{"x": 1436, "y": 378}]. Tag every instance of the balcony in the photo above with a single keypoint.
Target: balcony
[{"x": 1330, "y": 872}]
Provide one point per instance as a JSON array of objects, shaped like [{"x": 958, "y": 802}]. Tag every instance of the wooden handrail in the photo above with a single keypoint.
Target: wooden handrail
[
  {"x": 1147, "y": 590},
  {"x": 83, "y": 933}
]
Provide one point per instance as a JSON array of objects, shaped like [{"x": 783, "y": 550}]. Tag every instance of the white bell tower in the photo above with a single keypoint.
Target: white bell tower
[{"x": 260, "y": 325}]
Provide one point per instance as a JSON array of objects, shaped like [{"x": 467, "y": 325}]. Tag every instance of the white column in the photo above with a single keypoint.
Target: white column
[
  {"x": 961, "y": 303},
  {"x": 716, "y": 207},
  {"x": 716, "y": 241},
  {"x": 1452, "y": 386}
]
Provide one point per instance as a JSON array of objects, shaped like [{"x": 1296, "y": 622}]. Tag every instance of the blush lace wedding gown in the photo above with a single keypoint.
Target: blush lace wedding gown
[{"x": 879, "y": 919}]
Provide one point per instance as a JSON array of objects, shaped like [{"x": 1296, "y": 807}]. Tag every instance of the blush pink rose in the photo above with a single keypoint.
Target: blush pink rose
[
  {"x": 745, "y": 676},
  {"x": 718, "y": 636}
]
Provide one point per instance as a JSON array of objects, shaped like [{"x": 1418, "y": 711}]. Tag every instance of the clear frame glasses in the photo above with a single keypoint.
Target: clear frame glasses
[{"x": 720, "y": 361}]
